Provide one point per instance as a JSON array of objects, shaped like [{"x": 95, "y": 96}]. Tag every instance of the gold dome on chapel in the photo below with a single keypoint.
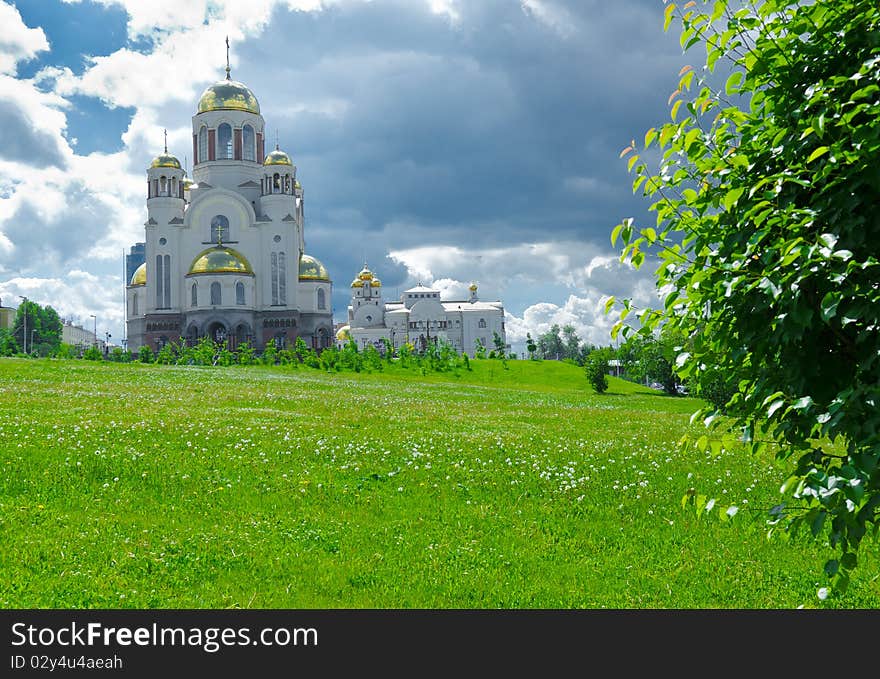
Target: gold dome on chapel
[
  {"x": 226, "y": 95},
  {"x": 139, "y": 277},
  {"x": 277, "y": 157},
  {"x": 376, "y": 283},
  {"x": 220, "y": 259},
  {"x": 357, "y": 283},
  {"x": 365, "y": 274},
  {"x": 344, "y": 333},
  {"x": 310, "y": 269},
  {"x": 165, "y": 160}
]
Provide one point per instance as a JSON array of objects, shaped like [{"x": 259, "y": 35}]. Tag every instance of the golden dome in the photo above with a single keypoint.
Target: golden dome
[
  {"x": 297, "y": 185},
  {"x": 228, "y": 95},
  {"x": 165, "y": 160},
  {"x": 376, "y": 283},
  {"x": 365, "y": 274},
  {"x": 220, "y": 259},
  {"x": 344, "y": 333},
  {"x": 310, "y": 269},
  {"x": 472, "y": 287},
  {"x": 277, "y": 157},
  {"x": 187, "y": 182},
  {"x": 357, "y": 283},
  {"x": 139, "y": 277}
]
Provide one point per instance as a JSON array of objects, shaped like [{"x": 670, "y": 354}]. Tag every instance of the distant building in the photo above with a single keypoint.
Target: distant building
[
  {"x": 7, "y": 317},
  {"x": 420, "y": 317},
  {"x": 79, "y": 337},
  {"x": 136, "y": 257}
]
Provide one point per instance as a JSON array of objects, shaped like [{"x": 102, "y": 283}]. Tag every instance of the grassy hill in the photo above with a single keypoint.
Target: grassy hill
[{"x": 128, "y": 485}]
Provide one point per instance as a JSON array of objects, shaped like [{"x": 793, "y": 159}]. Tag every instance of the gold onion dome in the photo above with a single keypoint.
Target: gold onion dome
[
  {"x": 220, "y": 259},
  {"x": 344, "y": 333},
  {"x": 165, "y": 160},
  {"x": 310, "y": 269},
  {"x": 472, "y": 287},
  {"x": 226, "y": 95},
  {"x": 139, "y": 277},
  {"x": 376, "y": 283},
  {"x": 277, "y": 157},
  {"x": 357, "y": 283},
  {"x": 365, "y": 274}
]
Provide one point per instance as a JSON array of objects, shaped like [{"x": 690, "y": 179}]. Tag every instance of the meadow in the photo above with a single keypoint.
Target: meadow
[{"x": 164, "y": 486}]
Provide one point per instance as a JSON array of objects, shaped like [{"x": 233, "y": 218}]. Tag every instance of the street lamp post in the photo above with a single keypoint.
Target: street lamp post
[
  {"x": 95, "y": 333},
  {"x": 24, "y": 331}
]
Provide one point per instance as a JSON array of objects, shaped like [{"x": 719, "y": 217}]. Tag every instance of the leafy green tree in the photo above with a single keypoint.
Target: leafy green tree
[
  {"x": 145, "y": 354},
  {"x": 596, "y": 370},
  {"x": 8, "y": 345},
  {"x": 93, "y": 353},
  {"x": 479, "y": 349},
  {"x": 269, "y": 355},
  {"x": 246, "y": 355},
  {"x": 43, "y": 327},
  {"x": 550, "y": 344},
  {"x": 766, "y": 230},
  {"x": 499, "y": 345},
  {"x": 531, "y": 347},
  {"x": 570, "y": 342}
]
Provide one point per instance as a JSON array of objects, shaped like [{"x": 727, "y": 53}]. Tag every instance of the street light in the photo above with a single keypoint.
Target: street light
[
  {"x": 24, "y": 332},
  {"x": 95, "y": 333}
]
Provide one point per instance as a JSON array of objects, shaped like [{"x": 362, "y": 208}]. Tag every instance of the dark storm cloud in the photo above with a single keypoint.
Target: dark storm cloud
[
  {"x": 43, "y": 246},
  {"x": 21, "y": 142},
  {"x": 497, "y": 119}
]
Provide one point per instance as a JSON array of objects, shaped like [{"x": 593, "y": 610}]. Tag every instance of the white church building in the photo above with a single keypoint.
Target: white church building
[
  {"x": 225, "y": 251},
  {"x": 420, "y": 317}
]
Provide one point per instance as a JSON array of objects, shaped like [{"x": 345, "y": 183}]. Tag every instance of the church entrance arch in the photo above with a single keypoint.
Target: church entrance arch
[{"x": 217, "y": 332}]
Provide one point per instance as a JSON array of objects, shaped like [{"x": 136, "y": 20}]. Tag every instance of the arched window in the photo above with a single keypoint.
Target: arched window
[
  {"x": 195, "y": 295},
  {"x": 203, "y": 145},
  {"x": 163, "y": 186},
  {"x": 224, "y": 141},
  {"x": 239, "y": 293},
  {"x": 276, "y": 183},
  {"x": 322, "y": 299},
  {"x": 163, "y": 281},
  {"x": 287, "y": 183},
  {"x": 219, "y": 229},
  {"x": 174, "y": 186},
  {"x": 274, "y": 266},
  {"x": 248, "y": 152},
  {"x": 282, "y": 278},
  {"x": 134, "y": 305},
  {"x": 482, "y": 323},
  {"x": 215, "y": 294}
]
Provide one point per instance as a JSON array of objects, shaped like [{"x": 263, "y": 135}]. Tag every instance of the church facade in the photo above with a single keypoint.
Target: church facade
[
  {"x": 420, "y": 317},
  {"x": 225, "y": 251}
]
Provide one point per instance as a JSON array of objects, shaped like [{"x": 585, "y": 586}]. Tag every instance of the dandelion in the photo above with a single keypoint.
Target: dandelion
[{"x": 822, "y": 593}]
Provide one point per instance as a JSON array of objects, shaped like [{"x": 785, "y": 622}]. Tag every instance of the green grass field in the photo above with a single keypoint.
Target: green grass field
[{"x": 186, "y": 487}]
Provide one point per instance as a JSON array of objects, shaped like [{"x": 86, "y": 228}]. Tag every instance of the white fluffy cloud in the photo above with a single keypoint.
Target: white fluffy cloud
[{"x": 18, "y": 42}]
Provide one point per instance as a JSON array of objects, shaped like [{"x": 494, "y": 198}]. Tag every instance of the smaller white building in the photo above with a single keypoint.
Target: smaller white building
[{"x": 420, "y": 317}]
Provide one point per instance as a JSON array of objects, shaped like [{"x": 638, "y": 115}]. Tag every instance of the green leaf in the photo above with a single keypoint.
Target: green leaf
[
  {"x": 733, "y": 82},
  {"x": 667, "y": 19},
  {"x": 821, "y": 151},
  {"x": 829, "y": 305},
  {"x": 615, "y": 233},
  {"x": 732, "y": 196},
  {"x": 776, "y": 405},
  {"x": 609, "y": 303},
  {"x": 831, "y": 567}
]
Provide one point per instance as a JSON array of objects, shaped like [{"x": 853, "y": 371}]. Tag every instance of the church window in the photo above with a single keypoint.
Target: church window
[
  {"x": 322, "y": 300},
  {"x": 282, "y": 278},
  {"x": 203, "y": 145},
  {"x": 166, "y": 279},
  {"x": 276, "y": 183},
  {"x": 174, "y": 186},
  {"x": 134, "y": 305},
  {"x": 219, "y": 229},
  {"x": 482, "y": 323},
  {"x": 195, "y": 295},
  {"x": 239, "y": 293},
  {"x": 287, "y": 183},
  {"x": 274, "y": 266},
  {"x": 224, "y": 141},
  {"x": 215, "y": 294},
  {"x": 163, "y": 186},
  {"x": 248, "y": 152}
]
